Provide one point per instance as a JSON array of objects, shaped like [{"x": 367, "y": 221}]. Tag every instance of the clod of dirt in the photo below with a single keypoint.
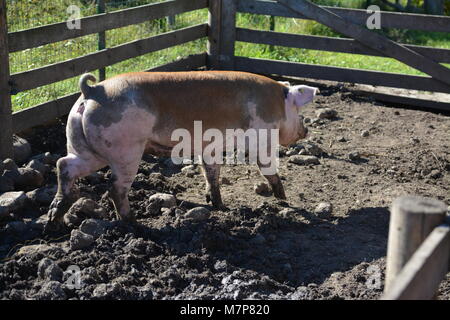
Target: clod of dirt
[
  {"x": 49, "y": 270},
  {"x": 52, "y": 290},
  {"x": 21, "y": 149},
  {"x": 6, "y": 184},
  {"x": 365, "y": 133},
  {"x": 42, "y": 196},
  {"x": 261, "y": 188},
  {"x": 44, "y": 249},
  {"x": 197, "y": 214},
  {"x": 303, "y": 160},
  {"x": 95, "y": 227},
  {"x": 226, "y": 181},
  {"x": 82, "y": 209},
  {"x": 80, "y": 240},
  {"x": 326, "y": 113},
  {"x": 28, "y": 179},
  {"x": 323, "y": 209}
]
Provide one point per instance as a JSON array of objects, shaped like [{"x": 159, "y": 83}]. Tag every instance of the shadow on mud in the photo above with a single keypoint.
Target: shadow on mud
[{"x": 294, "y": 247}]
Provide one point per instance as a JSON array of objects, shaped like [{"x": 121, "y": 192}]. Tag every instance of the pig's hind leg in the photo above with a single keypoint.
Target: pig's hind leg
[
  {"x": 70, "y": 168},
  {"x": 124, "y": 170}
]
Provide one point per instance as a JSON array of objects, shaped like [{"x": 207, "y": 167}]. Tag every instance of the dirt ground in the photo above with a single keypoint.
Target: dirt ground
[{"x": 261, "y": 248}]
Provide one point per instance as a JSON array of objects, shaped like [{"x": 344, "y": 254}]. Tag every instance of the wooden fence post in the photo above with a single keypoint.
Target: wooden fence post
[
  {"x": 412, "y": 220},
  {"x": 101, "y": 8},
  {"x": 6, "y": 142},
  {"x": 221, "y": 34}
]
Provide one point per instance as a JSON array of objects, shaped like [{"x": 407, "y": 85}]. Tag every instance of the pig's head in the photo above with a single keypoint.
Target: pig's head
[{"x": 296, "y": 97}]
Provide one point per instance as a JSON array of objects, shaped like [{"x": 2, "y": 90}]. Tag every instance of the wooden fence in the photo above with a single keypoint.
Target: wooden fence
[
  {"x": 222, "y": 35},
  {"x": 419, "y": 240},
  {"x": 418, "y": 249}
]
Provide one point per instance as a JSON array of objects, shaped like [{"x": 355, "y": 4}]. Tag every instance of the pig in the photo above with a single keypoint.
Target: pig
[{"x": 117, "y": 121}]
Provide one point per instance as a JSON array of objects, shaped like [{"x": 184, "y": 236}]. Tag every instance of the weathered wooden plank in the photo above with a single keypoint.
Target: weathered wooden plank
[
  {"x": 388, "y": 19},
  {"x": 64, "y": 70},
  {"x": 370, "y": 39},
  {"x": 328, "y": 44},
  {"x": 39, "y": 36},
  {"x": 228, "y": 36},
  {"x": 43, "y": 113},
  {"x": 406, "y": 101},
  {"x": 412, "y": 220},
  {"x": 214, "y": 32},
  {"x": 375, "y": 78},
  {"x": 420, "y": 277},
  {"x": 6, "y": 142}
]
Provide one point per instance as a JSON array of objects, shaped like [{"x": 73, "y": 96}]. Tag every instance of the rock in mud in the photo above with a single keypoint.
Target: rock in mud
[
  {"x": 49, "y": 270},
  {"x": 365, "y": 133},
  {"x": 197, "y": 214},
  {"x": 326, "y": 113},
  {"x": 38, "y": 166},
  {"x": 12, "y": 201},
  {"x": 21, "y": 149},
  {"x": 323, "y": 209},
  {"x": 95, "y": 227},
  {"x": 166, "y": 200},
  {"x": 82, "y": 209},
  {"x": 80, "y": 240},
  {"x": 261, "y": 188},
  {"x": 303, "y": 160}
]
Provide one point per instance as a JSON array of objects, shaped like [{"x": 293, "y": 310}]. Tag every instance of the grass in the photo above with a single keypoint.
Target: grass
[{"x": 24, "y": 14}]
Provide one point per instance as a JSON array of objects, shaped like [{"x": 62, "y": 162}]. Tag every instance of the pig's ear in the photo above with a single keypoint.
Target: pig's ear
[{"x": 303, "y": 95}]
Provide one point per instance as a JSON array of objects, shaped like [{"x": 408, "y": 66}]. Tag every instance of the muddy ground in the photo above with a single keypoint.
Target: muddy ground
[{"x": 261, "y": 247}]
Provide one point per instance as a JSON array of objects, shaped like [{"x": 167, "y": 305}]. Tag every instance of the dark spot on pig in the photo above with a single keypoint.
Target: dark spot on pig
[{"x": 108, "y": 144}]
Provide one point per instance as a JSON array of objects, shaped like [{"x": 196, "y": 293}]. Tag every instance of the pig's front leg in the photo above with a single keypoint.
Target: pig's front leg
[
  {"x": 212, "y": 173},
  {"x": 69, "y": 168}
]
